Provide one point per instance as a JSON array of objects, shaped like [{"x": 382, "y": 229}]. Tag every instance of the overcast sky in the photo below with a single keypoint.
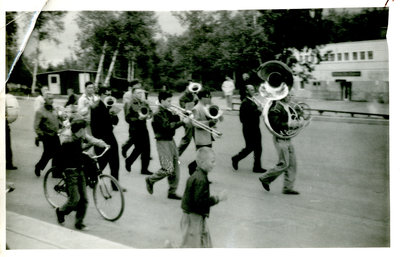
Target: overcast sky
[{"x": 52, "y": 53}]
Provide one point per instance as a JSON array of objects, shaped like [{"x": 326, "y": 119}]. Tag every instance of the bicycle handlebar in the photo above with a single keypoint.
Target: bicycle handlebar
[{"x": 98, "y": 156}]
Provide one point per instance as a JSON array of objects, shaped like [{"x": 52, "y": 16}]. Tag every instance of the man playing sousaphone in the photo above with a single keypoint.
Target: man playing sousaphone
[
  {"x": 278, "y": 82},
  {"x": 137, "y": 114}
]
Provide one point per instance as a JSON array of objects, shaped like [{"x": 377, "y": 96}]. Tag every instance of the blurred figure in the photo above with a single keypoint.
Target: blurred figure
[
  {"x": 39, "y": 100},
  {"x": 12, "y": 111},
  {"x": 228, "y": 87},
  {"x": 72, "y": 98},
  {"x": 86, "y": 102}
]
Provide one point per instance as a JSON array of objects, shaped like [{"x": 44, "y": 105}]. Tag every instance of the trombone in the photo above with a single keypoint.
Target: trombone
[{"x": 183, "y": 113}]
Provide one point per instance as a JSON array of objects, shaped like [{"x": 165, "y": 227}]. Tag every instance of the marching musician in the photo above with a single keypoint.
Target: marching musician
[
  {"x": 86, "y": 102},
  {"x": 47, "y": 125},
  {"x": 103, "y": 119},
  {"x": 187, "y": 101},
  {"x": 126, "y": 101},
  {"x": 201, "y": 136},
  {"x": 138, "y": 133},
  {"x": 249, "y": 115},
  {"x": 280, "y": 81},
  {"x": 164, "y": 125}
]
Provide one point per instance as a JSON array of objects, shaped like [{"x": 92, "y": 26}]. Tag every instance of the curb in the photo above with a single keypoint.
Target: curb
[{"x": 24, "y": 232}]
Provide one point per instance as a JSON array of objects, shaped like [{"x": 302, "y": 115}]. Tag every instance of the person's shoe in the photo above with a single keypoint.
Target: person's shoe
[
  {"x": 290, "y": 192},
  {"x": 146, "y": 172},
  {"x": 265, "y": 185},
  {"x": 124, "y": 152},
  {"x": 11, "y": 167},
  {"x": 60, "y": 216},
  {"x": 235, "y": 163},
  {"x": 127, "y": 166},
  {"x": 81, "y": 227},
  {"x": 149, "y": 186},
  {"x": 37, "y": 171},
  {"x": 174, "y": 197},
  {"x": 259, "y": 170},
  {"x": 37, "y": 140}
]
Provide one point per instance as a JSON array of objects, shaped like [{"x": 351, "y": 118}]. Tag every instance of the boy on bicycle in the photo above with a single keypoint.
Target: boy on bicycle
[{"x": 72, "y": 166}]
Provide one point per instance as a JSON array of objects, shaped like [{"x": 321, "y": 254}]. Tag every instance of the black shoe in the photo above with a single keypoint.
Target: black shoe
[
  {"x": 37, "y": 140},
  {"x": 11, "y": 167},
  {"x": 60, "y": 216},
  {"x": 149, "y": 186},
  {"x": 265, "y": 185},
  {"x": 235, "y": 163},
  {"x": 124, "y": 152},
  {"x": 290, "y": 192},
  {"x": 81, "y": 227},
  {"x": 37, "y": 171},
  {"x": 259, "y": 170},
  {"x": 127, "y": 166},
  {"x": 174, "y": 197},
  {"x": 146, "y": 172}
]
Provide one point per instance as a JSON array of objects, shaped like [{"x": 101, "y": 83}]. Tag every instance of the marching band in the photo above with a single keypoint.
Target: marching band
[{"x": 200, "y": 117}]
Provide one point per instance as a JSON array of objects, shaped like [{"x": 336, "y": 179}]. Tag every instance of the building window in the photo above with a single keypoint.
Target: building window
[
  {"x": 346, "y": 56},
  {"x": 339, "y": 56},
  {"x": 355, "y": 55},
  {"x": 332, "y": 57},
  {"x": 53, "y": 79},
  {"x": 362, "y": 55},
  {"x": 370, "y": 55}
]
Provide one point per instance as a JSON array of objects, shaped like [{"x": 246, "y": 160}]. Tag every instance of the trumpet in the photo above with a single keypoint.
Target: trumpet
[
  {"x": 143, "y": 109},
  {"x": 183, "y": 113}
]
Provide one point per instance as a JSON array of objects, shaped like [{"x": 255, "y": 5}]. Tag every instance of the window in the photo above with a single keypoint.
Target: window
[
  {"x": 370, "y": 55},
  {"x": 332, "y": 57},
  {"x": 346, "y": 56},
  {"x": 54, "y": 79},
  {"x": 362, "y": 55},
  {"x": 339, "y": 56},
  {"x": 355, "y": 55}
]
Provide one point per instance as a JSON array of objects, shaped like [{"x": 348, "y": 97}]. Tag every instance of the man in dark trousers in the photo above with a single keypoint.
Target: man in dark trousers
[
  {"x": 46, "y": 126},
  {"x": 102, "y": 124},
  {"x": 138, "y": 133},
  {"x": 250, "y": 118}
]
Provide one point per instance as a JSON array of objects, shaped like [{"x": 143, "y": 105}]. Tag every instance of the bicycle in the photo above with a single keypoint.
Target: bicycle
[{"x": 107, "y": 193}]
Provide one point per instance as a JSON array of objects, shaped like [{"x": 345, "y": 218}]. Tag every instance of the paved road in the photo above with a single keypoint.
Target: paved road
[{"x": 343, "y": 177}]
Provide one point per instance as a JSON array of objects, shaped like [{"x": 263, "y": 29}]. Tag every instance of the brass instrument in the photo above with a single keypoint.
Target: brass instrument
[
  {"x": 142, "y": 107},
  {"x": 278, "y": 81},
  {"x": 213, "y": 112},
  {"x": 183, "y": 113},
  {"x": 194, "y": 87},
  {"x": 110, "y": 103}
]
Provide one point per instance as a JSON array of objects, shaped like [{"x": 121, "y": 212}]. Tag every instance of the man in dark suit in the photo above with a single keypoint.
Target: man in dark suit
[{"x": 102, "y": 124}]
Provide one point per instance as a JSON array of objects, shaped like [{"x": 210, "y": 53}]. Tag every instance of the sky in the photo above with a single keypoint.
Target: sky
[{"x": 55, "y": 54}]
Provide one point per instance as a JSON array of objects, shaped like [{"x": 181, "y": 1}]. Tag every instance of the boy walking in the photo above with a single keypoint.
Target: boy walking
[
  {"x": 196, "y": 202},
  {"x": 72, "y": 164},
  {"x": 164, "y": 125}
]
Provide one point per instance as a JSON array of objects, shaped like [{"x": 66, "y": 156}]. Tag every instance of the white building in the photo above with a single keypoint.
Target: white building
[{"x": 357, "y": 71}]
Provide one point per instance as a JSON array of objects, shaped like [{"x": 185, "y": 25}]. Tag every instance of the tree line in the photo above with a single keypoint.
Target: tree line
[{"x": 214, "y": 44}]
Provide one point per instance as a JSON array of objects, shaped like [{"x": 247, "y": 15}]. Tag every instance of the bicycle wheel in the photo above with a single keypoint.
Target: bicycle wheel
[
  {"x": 108, "y": 197},
  {"x": 55, "y": 190}
]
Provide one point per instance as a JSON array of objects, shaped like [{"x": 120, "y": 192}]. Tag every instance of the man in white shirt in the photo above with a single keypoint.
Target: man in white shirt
[
  {"x": 86, "y": 102},
  {"x": 227, "y": 87}
]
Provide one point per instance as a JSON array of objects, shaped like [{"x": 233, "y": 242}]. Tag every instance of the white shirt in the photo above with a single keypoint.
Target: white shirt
[{"x": 228, "y": 86}]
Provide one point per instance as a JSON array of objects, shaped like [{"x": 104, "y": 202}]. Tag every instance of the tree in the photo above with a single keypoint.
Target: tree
[
  {"x": 11, "y": 33},
  {"x": 47, "y": 25}
]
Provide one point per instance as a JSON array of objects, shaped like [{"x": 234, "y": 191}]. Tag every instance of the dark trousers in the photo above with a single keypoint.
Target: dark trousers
[
  {"x": 185, "y": 141},
  {"x": 111, "y": 157},
  {"x": 51, "y": 145},
  {"x": 77, "y": 196},
  {"x": 193, "y": 165},
  {"x": 141, "y": 142},
  {"x": 252, "y": 138},
  {"x": 9, "y": 161}
]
